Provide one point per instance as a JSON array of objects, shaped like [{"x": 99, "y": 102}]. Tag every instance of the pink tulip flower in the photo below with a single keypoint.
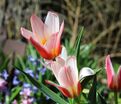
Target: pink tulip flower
[
  {"x": 114, "y": 80},
  {"x": 66, "y": 73},
  {"x": 45, "y": 37}
]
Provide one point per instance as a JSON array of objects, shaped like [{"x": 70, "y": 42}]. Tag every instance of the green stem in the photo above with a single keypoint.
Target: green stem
[
  {"x": 77, "y": 99},
  {"x": 116, "y": 97}
]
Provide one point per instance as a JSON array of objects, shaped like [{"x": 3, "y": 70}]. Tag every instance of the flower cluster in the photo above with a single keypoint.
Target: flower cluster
[{"x": 45, "y": 37}]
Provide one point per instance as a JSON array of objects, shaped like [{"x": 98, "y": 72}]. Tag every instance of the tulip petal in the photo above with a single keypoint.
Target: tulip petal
[
  {"x": 119, "y": 77},
  {"x": 37, "y": 27},
  {"x": 109, "y": 70},
  {"x": 84, "y": 72},
  {"x": 63, "y": 54},
  {"x": 42, "y": 51},
  {"x": 65, "y": 77},
  {"x": 79, "y": 88},
  {"x": 71, "y": 62},
  {"x": 26, "y": 33},
  {"x": 64, "y": 91},
  {"x": 56, "y": 67},
  {"x": 51, "y": 23},
  {"x": 61, "y": 29},
  {"x": 51, "y": 46},
  {"x": 60, "y": 61}
]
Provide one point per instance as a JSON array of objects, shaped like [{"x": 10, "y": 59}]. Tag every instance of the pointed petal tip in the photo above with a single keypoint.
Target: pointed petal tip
[
  {"x": 33, "y": 16},
  {"x": 52, "y": 13}
]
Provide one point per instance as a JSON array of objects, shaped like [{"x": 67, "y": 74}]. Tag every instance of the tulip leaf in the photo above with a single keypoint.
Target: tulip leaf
[
  {"x": 101, "y": 99},
  {"x": 92, "y": 92},
  {"x": 44, "y": 89},
  {"x": 78, "y": 42}
]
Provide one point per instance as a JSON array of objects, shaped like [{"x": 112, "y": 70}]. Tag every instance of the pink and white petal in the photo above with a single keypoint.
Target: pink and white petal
[
  {"x": 64, "y": 91},
  {"x": 65, "y": 77},
  {"x": 42, "y": 51},
  {"x": 51, "y": 42},
  {"x": 61, "y": 29},
  {"x": 26, "y": 33},
  {"x": 119, "y": 77},
  {"x": 37, "y": 27},
  {"x": 63, "y": 54},
  {"x": 52, "y": 23},
  {"x": 84, "y": 72},
  {"x": 109, "y": 69},
  {"x": 60, "y": 61},
  {"x": 58, "y": 40},
  {"x": 55, "y": 67},
  {"x": 72, "y": 63}
]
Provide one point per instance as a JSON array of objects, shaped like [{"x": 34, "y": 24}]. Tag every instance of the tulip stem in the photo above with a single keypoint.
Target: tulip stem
[
  {"x": 77, "y": 99},
  {"x": 116, "y": 97}
]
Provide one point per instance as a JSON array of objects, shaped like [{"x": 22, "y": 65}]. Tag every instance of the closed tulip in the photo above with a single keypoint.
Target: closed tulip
[{"x": 113, "y": 80}]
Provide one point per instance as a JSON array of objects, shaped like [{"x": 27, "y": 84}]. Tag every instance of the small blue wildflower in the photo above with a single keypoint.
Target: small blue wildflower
[
  {"x": 42, "y": 70},
  {"x": 16, "y": 80},
  {"x": 47, "y": 97},
  {"x": 35, "y": 89},
  {"x": 26, "y": 85},
  {"x": 16, "y": 72},
  {"x": 5, "y": 74},
  {"x": 30, "y": 72},
  {"x": 33, "y": 60}
]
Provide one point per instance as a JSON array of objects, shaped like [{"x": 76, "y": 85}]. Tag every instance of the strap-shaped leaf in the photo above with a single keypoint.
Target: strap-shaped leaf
[
  {"x": 78, "y": 42},
  {"x": 44, "y": 89},
  {"x": 92, "y": 92},
  {"x": 101, "y": 99}
]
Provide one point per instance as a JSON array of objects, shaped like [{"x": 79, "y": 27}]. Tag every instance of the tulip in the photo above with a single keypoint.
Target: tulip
[
  {"x": 45, "y": 37},
  {"x": 113, "y": 80},
  {"x": 66, "y": 73}
]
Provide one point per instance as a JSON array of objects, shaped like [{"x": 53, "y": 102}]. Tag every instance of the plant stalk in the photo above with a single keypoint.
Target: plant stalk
[{"x": 116, "y": 97}]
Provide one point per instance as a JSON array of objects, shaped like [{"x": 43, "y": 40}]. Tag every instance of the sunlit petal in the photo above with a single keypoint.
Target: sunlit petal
[
  {"x": 52, "y": 23},
  {"x": 84, "y": 72},
  {"x": 71, "y": 62},
  {"x": 56, "y": 67},
  {"x": 65, "y": 77},
  {"x": 26, "y": 33},
  {"x": 37, "y": 27}
]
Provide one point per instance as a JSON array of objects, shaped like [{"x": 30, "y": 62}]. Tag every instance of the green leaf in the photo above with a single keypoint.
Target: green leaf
[
  {"x": 92, "y": 93},
  {"x": 22, "y": 63},
  {"x": 44, "y": 89},
  {"x": 4, "y": 64},
  {"x": 14, "y": 93},
  {"x": 78, "y": 42},
  {"x": 101, "y": 99}
]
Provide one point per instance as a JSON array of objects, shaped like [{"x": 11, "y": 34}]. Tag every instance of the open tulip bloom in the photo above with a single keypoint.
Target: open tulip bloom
[
  {"x": 114, "y": 80},
  {"x": 66, "y": 73},
  {"x": 45, "y": 37}
]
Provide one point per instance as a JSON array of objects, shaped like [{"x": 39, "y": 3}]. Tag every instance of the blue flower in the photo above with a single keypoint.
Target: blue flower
[
  {"x": 26, "y": 85},
  {"x": 30, "y": 72},
  {"x": 16, "y": 80},
  {"x": 42, "y": 70},
  {"x": 5, "y": 74},
  {"x": 16, "y": 72}
]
